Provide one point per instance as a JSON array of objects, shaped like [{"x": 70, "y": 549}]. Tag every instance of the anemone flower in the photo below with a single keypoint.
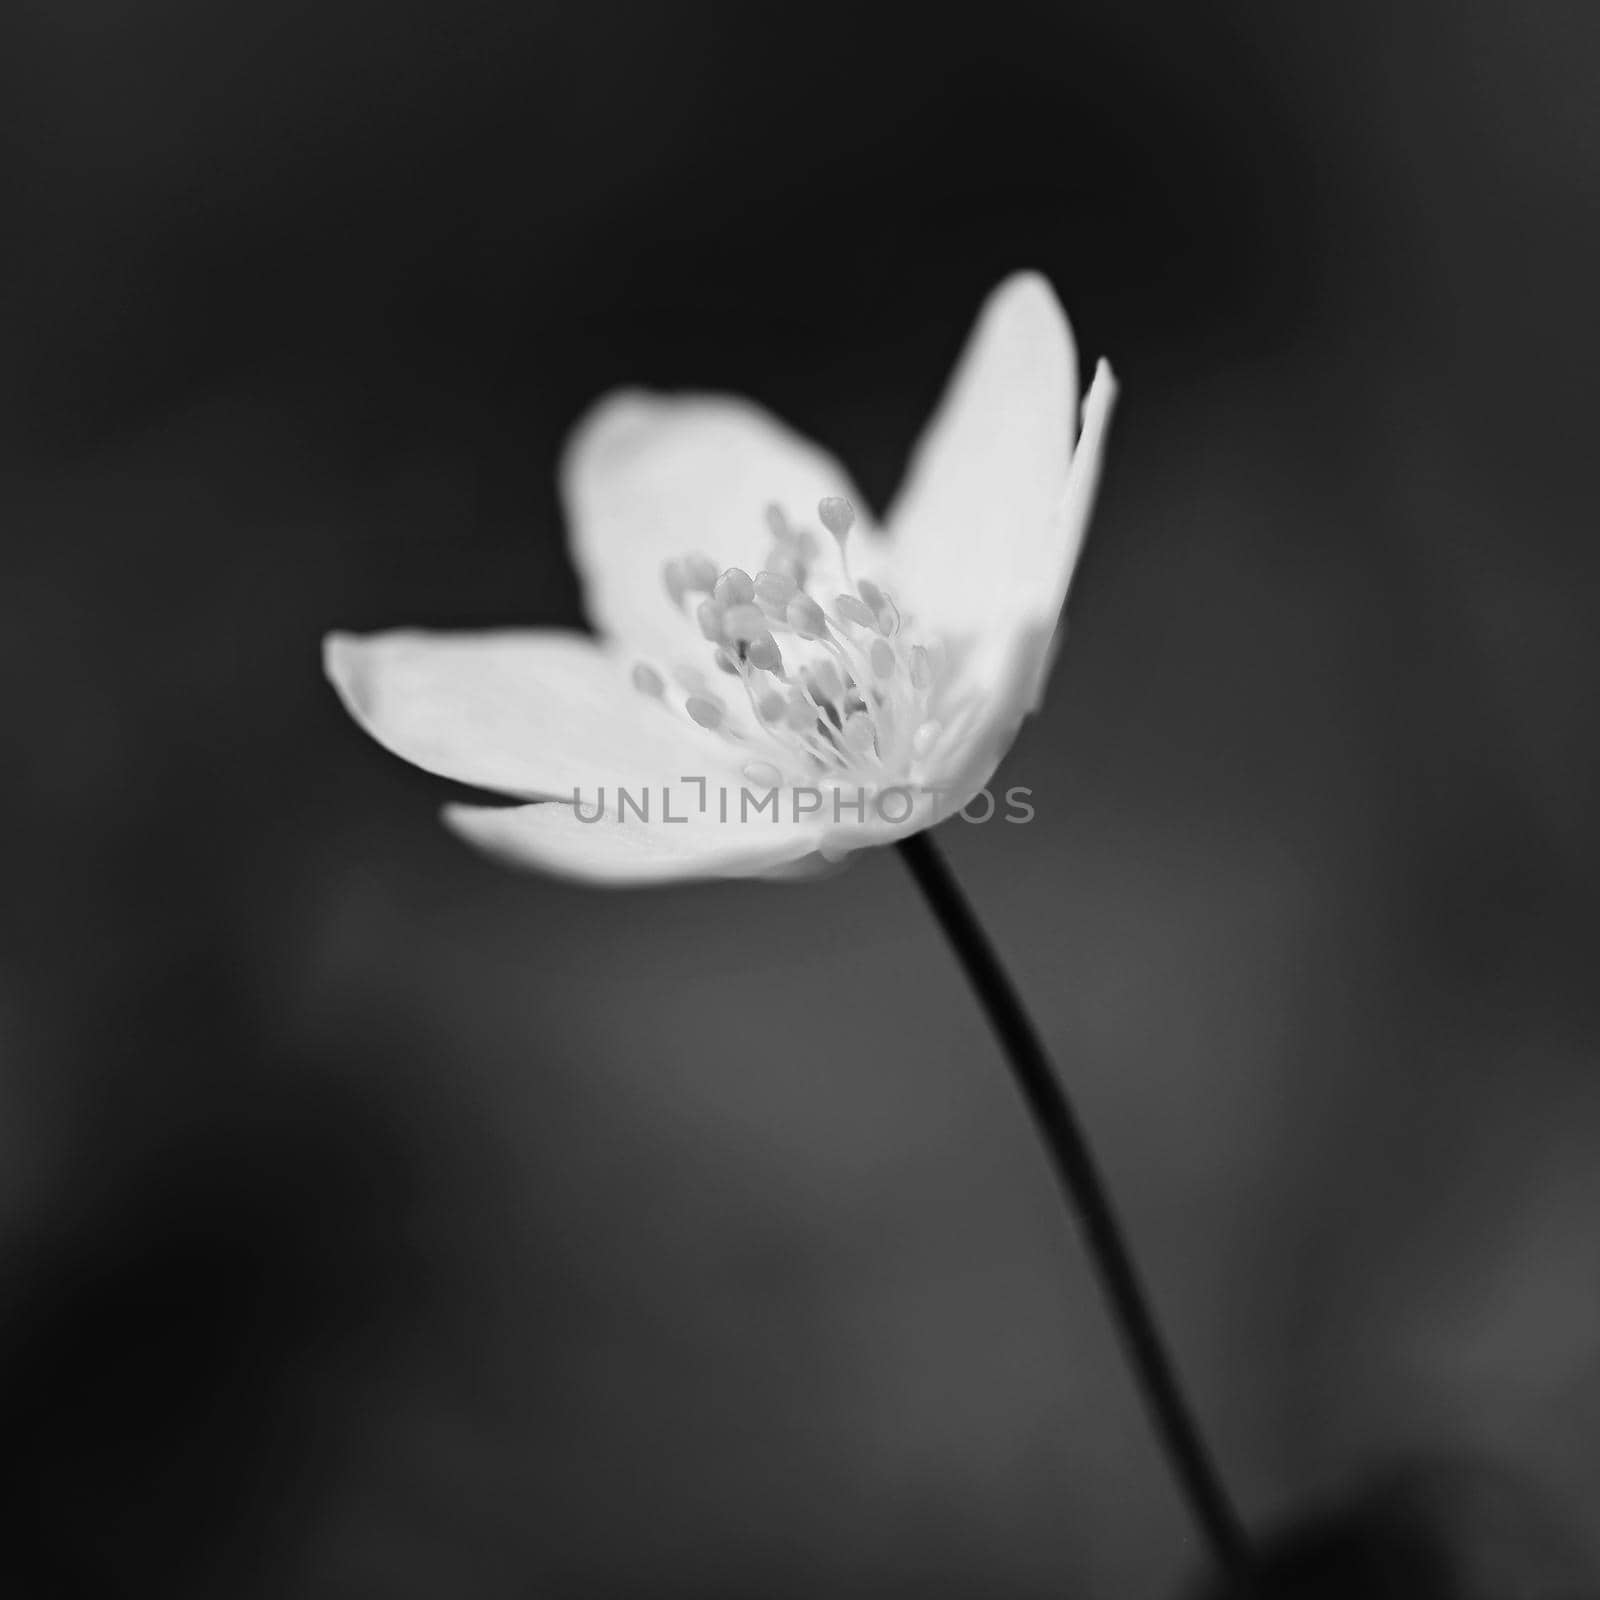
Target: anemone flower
[{"x": 776, "y": 680}]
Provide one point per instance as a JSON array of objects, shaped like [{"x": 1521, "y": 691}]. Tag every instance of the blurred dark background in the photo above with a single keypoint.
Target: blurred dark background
[{"x": 375, "y": 1223}]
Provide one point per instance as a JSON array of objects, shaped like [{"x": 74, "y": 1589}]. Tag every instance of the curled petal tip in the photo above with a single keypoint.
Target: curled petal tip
[
  {"x": 1098, "y": 404},
  {"x": 458, "y": 817},
  {"x": 338, "y": 663}
]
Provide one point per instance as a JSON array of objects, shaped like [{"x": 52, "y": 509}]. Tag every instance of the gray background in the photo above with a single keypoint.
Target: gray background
[{"x": 373, "y": 1223}]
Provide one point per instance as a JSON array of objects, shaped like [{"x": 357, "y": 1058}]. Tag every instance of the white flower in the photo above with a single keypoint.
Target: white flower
[{"x": 775, "y": 682}]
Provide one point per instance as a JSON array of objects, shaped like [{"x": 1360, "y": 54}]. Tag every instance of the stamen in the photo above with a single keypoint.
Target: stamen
[
  {"x": 851, "y": 662},
  {"x": 699, "y": 573},
  {"x": 837, "y": 515},
  {"x": 885, "y": 614},
  {"x": 785, "y": 561},
  {"x": 825, "y": 687},
  {"x": 805, "y": 616},
  {"x": 853, "y": 610},
  {"x": 824, "y": 681},
  {"x": 743, "y": 621},
  {"x": 764, "y": 654},
  {"x": 704, "y": 710},
  {"x": 774, "y": 590},
  {"x": 734, "y": 588}
]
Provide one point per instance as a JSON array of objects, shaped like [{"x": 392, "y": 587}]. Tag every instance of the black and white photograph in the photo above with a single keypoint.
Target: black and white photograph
[{"x": 802, "y": 801}]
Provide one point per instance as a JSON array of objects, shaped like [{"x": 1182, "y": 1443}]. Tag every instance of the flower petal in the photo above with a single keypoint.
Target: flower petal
[
  {"x": 974, "y": 537},
  {"x": 1072, "y": 516},
  {"x": 1002, "y": 676},
  {"x": 557, "y": 839},
  {"x": 650, "y": 477},
  {"x": 529, "y": 713}
]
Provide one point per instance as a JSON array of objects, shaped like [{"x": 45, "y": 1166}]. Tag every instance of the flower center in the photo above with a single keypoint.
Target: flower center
[{"x": 828, "y": 686}]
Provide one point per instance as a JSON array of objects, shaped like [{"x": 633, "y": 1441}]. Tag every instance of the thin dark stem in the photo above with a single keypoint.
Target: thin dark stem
[{"x": 1086, "y": 1192}]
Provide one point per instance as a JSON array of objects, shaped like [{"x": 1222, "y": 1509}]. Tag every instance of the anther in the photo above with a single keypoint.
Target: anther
[
  {"x": 777, "y": 523},
  {"x": 705, "y": 711},
  {"x": 647, "y": 680},
  {"x": 734, "y": 588},
  {"x": 673, "y": 576},
  {"x": 921, "y": 670},
  {"x": 709, "y": 615},
  {"x": 853, "y": 610},
  {"x": 805, "y": 616},
  {"x": 743, "y": 622},
  {"x": 725, "y": 661},
  {"x": 837, "y": 515},
  {"x": 762, "y": 774},
  {"x": 925, "y": 738},
  {"x": 699, "y": 573},
  {"x": 824, "y": 681},
  {"x": 882, "y": 659},
  {"x": 771, "y": 705},
  {"x": 774, "y": 590},
  {"x": 885, "y": 615},
  {"x": 764, "y": 654},
  {"x": 783, "y": 560}
]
